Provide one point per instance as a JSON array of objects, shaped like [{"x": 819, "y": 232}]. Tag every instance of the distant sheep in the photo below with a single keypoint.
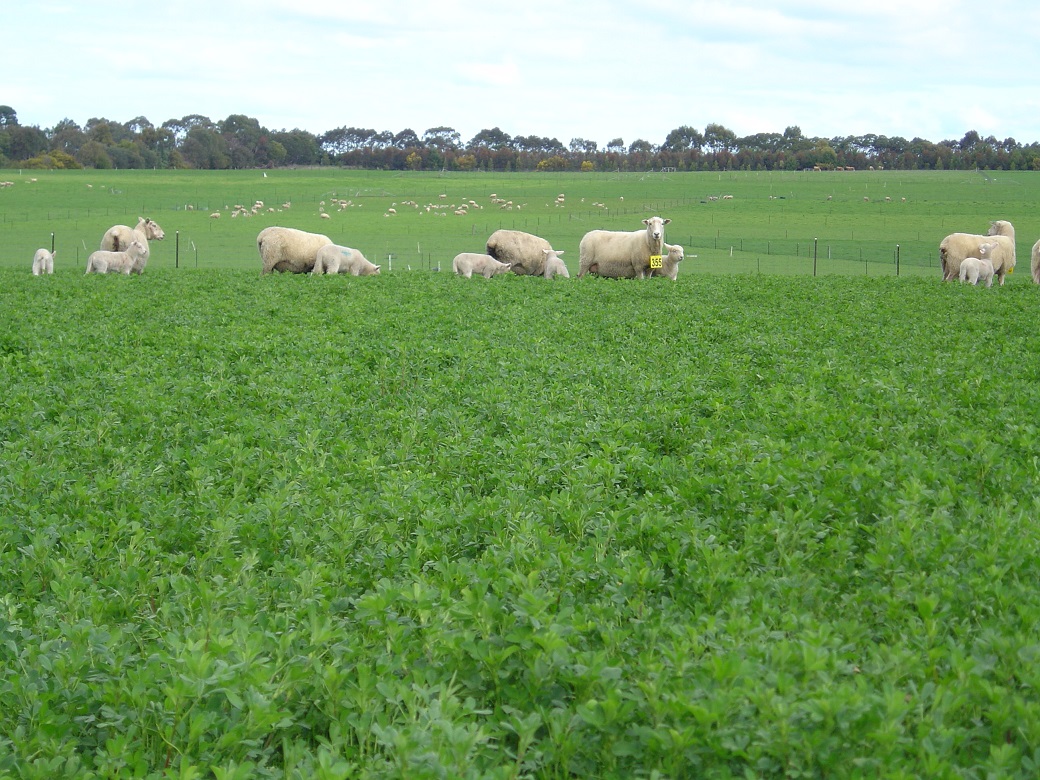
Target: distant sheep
[
  {"x": 619, "y": 254},
  {"x": 469, "y": 263},
  {"x": 1034, "y": 264},
  {"x": 43, "y": 262},
  {"x": 671, "y": 257},
  {"x": 957, "y": 246},
  {"x": 554, "y": 266},
  {"x": 118, "y": 237},
  {"x": 523, "y": 251},
  {"x": 288, "y": 249},
  {"x": 335, "y": 259},
  {"x": 105, "y": 262}
]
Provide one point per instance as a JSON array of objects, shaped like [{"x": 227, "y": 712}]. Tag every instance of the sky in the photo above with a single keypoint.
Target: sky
[{"x": 598, "y": 71}]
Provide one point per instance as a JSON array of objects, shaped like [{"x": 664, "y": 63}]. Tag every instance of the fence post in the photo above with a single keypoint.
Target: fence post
[
  {"x": 177, "y": 250},
  {"x": 897, "y": 259},
  {"x": 814, "y": 243},
  {"x": 52, "y": 243}
]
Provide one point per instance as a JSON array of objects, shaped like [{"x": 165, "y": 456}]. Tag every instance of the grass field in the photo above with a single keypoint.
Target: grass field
[
  {"x": 776, "y": 222},
  {"x": 414, "y": 526}
]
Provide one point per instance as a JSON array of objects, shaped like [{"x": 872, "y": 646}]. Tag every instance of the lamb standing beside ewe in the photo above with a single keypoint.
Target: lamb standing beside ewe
[
  {"x": 335, "y": 259},
  {"x": 469, "y": 263},
  {"x": 554, "y": 266},
  {"x": 523, "y": 251},
  {"x": 1034, "y": 264},
  {"x": 105, "y": 262},
  {"x": 43, "y": 262},
  {"x": 957, "y": 246},
  {"x": 975, "y": 270},
  {"x": 673, "y": 255},
  {"x": 620, "y": 254},
  {"x": 288, "y": 249},
  {"x": 118, "y": 237}
]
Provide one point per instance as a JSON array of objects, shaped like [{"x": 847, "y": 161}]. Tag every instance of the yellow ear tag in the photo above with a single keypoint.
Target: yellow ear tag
[{"x": 655, "y": 261}]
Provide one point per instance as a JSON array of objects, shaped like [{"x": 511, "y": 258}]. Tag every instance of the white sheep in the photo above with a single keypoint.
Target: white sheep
[
  {"x": 106, "y": 262},
  {"x": 976, "y": 269},
  {"x": 671, "y": 257},
  {"x": 335, "y": 259},
  {"x": 554, "y": 266},
  {"x": 621, "y": 254},
  {"x": 288, "y": 249},
  {"x": 957, "y": 246},
  {"x": 43, "y": 262},
  {"x": 118, "y": 237},
  {"x": 468, "y": 263},
  {"x": 1034, "y": 264},
  {"x": 523, "y": 251}
]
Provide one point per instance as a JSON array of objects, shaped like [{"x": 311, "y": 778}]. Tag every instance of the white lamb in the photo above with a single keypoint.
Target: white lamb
[
  {"x": 335, "y": 259},
  {"x": 105, "y": 262},
  {"x": 118, "y": 237},
  {"x": 1034, "y": 264},
  {"x": 288, "y": 249},
  {"x": 620, "y": 254},
  {"x": 976, "y": 269},
  {"x": 554, "y": 266},
  {"x": 43, "y": 262},
  {"x": 957, "y": 246},
  {"x": 523, "y": 251},
  {"x": 469, "y": 263},
  {"x": 670, "y": 259}
]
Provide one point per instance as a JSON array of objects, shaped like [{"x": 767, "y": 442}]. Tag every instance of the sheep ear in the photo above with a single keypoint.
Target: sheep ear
[
  {"x": 646, "y": 221},
  {"x": 560, "y": 252},
  {"x": 666, "y": 222}
]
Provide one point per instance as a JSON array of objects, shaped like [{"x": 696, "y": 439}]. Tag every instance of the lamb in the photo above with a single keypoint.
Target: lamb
[
  {"x": 976, "y": 269},
  {"x": 43, "y": 262},
  {"x": 288, "y": 249},
  {"x": 957, "y": 246},
  {"x": 554, "y": 266},
  {"x": 468, "y": 263},
  {"x": 118, "y": 237},
  {"x": 523, "y": 251},
  {"x": 673, "y": 255},
  {"x": 620, "y": 254},
  {"x": 335, "y": 259},
  {"x": 105, "y": 262},
  {"x": 1034, "y": 264}
]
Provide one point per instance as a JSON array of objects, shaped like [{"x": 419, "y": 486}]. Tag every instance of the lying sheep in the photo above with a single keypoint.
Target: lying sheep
[
  {"x": 957, "y": 246},
  {"x": 619, "y": 254},
  {"x": 523, "y": 251},
  {"x": 1034, "y": 264},
  {"x": 554, "y": 266},
  {"x": 670, "y": 259},
  {"x": 335, "y": 259},
  {"x": 43, "y": 262},
  {"x": 468, "y": 263},
  {"x": 105, "y": 262},
  {"x": 976, "y": 269},
  {"x": 288, "y": 249},
  {"x": 118, "y": 237}
]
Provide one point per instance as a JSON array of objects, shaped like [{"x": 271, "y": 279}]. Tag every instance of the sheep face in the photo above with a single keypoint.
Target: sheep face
[
  {"x": 151, "y": 229},
  {"x": 655, "y": 228}
]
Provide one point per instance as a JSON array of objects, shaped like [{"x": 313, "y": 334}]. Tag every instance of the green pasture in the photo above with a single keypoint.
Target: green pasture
[{"x": 780, "y": 222}]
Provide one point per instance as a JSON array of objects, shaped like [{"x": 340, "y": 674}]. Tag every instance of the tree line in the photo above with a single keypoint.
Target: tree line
[{"x": 239, "y": 141}]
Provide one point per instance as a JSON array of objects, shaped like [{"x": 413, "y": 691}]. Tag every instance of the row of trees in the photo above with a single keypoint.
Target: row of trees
[{"x": 241, "y": 142}]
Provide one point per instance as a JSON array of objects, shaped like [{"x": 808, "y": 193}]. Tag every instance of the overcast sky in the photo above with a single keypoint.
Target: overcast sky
[{"x": 933, "y": 69}]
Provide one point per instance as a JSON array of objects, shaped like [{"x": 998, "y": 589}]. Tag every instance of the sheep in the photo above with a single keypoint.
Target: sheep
[
  {"x": 671, "y": 257},
  {"x": 43, "y": 262},
  {"x": 976, "y": 269},
  {"x": 957, "y": 246},
  {"x": 288, "y": 249},
  {"x": 621, "y": 254},
  {"x": 468, "y": 263},
  {"x": 525, "y": 252},
  {"x": 118, "y": 237},
  {"x": 335, "y": 259},
  {"x": 554, "y": 266},
  {"x": 106, "y": 262},
  {"x": 1034, "y": 264}
]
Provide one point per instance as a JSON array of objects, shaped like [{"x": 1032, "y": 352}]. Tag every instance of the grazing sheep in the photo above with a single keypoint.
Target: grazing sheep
[
  {"x": 620, "y": 254},
  {"x": 335, "y": 259},
  {"x": 554, "y": 266},
  {"x": 672, "y": 256},
  {"x": 118, "y": 237},
  {"x": 288, "y": 249},
  {"x": 468, "y": 263},
  {"x": 106, "y": 262},
  {"x": 523, "y": 251},
  {"x": 957, "y": 246},
  {"x": 1034, "y": 264},
  {"x": 43, "y": 262}
]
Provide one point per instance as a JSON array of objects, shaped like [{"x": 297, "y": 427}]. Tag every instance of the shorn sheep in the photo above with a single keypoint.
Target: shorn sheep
[
  {"x": 554, "y": 266},
  {"x": 335, "y": 259},
  {"x": 1034, "y": 262},
  {"x": 957, "y": 246},
  {"x": 118, "y": 237},
  {"x": 619, "y": 254},
  {"x": 523, "y": 251},
  {"x": 469, "y": 263},
  {"x": 105, "y": 262},
  {"x": 671, "y": 257},
  {"x": 289, "y": 250},
  {"x": 43, "y": 262}
]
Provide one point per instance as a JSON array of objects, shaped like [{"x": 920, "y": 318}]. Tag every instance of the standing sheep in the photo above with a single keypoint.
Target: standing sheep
[
  {"x": 288, "y": 249},
  {"x": 523, "y": 251},
  {"x": 554, "y": 266},
  {"x": 43, "y": 262},
  {"x": 1034, "y": 265},
  {"x": 118, "y": 237},
  {"x": 957, "y": 246},
  {"x": 105, "y": 262},
  {"x": 975, "y": 270},
  {"x": 468, "y": 263},
  {"x": 335, "y": 259},
  {"x": 673, "y": 255},
  {"x": 619, "y": 254}
]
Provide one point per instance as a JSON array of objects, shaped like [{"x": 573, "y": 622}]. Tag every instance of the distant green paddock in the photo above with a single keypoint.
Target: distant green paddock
[{"x": 851, "y": 222}]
